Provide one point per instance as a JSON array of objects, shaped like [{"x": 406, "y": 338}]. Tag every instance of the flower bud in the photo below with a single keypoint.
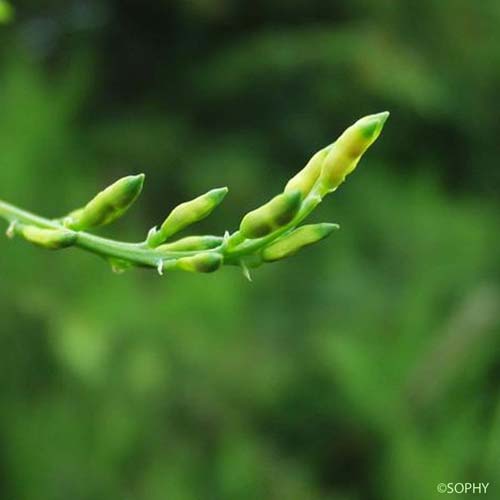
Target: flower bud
[
  {"x": 207, "y": 262},
  {"x": 304, "y": 180},
  {"x": 191, "y": 243},
  {"x": 187, "y": 213},
  {"x": 271, "y": 216},
  {"x": 345, "y": 154},
  {"x": 108, "y": 205},
  {"x": 291, "y": 243},
  {"x": 53, "y": 239}
]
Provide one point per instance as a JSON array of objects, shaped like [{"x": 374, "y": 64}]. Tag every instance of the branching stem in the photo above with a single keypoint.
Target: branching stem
[
  {"x": 233, "y": 250},
  {"x": 268, "y": 233}
]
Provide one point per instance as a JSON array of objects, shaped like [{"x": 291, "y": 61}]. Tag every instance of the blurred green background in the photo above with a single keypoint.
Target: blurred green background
[{"x": 365, "y": 368}]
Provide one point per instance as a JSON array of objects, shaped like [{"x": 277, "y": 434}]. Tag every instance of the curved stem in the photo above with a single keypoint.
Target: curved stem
[
  {"x": 132, "y": 252},
  {"x": 234, "y": 249}
]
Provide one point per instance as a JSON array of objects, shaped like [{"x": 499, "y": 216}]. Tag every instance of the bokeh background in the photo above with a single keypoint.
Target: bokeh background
[{"x": 365, "y": 368}]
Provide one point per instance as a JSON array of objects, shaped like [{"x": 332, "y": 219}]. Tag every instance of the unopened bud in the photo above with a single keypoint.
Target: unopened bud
[
  {"x": 108, "y": 205},
  {"x": 53, "y": 239},
  {"x": 187, "y": 213},
  {"x": 271, "y": 216},
  {"x": 348, "y": 149},
  {"x": 291, "y": 243},
  {"x": 304, "y": 180},
  {"x": 191, "y": 243},
  {"x": 207, "y": 262}
]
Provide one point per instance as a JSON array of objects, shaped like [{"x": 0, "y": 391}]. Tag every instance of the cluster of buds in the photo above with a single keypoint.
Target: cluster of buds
[
  {"x": 329, "y": 167},
  {"x": 270, "y": 232}
]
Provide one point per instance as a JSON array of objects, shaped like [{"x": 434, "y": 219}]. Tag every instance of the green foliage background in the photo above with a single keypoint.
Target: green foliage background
[{"x": 365, "y": 368}]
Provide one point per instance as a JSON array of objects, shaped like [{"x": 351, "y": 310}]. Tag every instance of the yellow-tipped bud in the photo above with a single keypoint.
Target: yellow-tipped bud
[
  {"x": 271, "y": 216},
  {"x": 345, "y": 154},
  {"x": 207, "y": 262},
  {"x": 53, "y": 239},
  {"x": 192, "y": 243},
  {"x": 304, "y": 180},
  {"x": 187, "y": 213},
  {"x": 302, "y": 237},
  {"x": 108, "y": 205}
]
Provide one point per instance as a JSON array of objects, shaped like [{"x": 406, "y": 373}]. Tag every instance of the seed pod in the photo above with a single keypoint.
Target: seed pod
[
  {"x": 304, "y": 180},
  {"x": 187, "y": 213},
  {"x": 348, "y": 149},
  {"x": 191, "y": 243},
  {"x": 291, "y": 243},
  {"x": 271, "y": 216},
  {"x": 108, "y": 205},
  {"x": 207, "y": 262},
  {"x": 53, "y": 239}
]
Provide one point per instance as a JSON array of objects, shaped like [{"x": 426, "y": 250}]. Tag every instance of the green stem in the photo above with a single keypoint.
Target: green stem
[
  {"x": 234, "y": 249},
  {"x": 132, "y": 252}
]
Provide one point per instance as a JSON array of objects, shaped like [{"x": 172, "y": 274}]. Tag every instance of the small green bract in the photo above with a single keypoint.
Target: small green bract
[{"x": 269, "y": 233}]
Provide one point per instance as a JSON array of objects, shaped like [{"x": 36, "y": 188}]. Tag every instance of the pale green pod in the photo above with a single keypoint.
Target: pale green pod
[
  {"x": 53, "y": 239},
  {"x": 291, "y": 243},
  {"x": 345, "y": 154},
  {"x": 304, "y": 180},
  {"x": 187, "y": 213},
  {"x": 108, "y": 205},
  {"x": 192, "y": 243},
  {"x": 274, "y": 214},
  {"x": 207, "y": 262}
]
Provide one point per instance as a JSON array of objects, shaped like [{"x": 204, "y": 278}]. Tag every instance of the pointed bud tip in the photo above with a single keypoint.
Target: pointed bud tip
[
  {"x": 139, "y": 178},
  {"x": 372, "y": 124},
  {"x": 329, "y": 227},
  {"x": 381, "y": 117},
  {"x": 219, "y": 193},
  {"x": 132, "y": 183}
]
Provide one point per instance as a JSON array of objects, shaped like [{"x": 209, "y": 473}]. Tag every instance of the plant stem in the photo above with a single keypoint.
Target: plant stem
[
  {"x": 138, "y": 254},
  {"x": 233, "y": 250},
  {"x": 132, "y": 252}
]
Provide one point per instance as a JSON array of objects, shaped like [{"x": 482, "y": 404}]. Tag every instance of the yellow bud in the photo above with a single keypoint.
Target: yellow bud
[
  {"x": 207, "y": 262},
  {"x": 345, "y": 154},
  {"x": 187, "y": 213},
  {"x": 53, "y": 239},
  {"x": 271, "y": 216},
  {"x": 304, "y": 180},
  {"x": 291, "y": 243},
  {"x": 108, "y": 205}
]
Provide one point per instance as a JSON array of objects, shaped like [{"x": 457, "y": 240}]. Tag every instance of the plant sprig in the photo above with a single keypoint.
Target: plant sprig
[{"x": 270, "y": 232}]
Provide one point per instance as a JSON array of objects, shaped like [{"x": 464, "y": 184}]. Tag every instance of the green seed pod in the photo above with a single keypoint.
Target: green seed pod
[
  {"x": 207, "y": 262},
  {"x": 108, "y": 205},
  {"x": 191, "y": 243},
  {"x": 348, "y": 149},
  {"x": 304, "y": 180},
  {"x": 187, "y": 213},
  {"x": 53, "y": 239},
  {"x": 271, "y": 216},
  {"x": 291, "y": 243}
]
